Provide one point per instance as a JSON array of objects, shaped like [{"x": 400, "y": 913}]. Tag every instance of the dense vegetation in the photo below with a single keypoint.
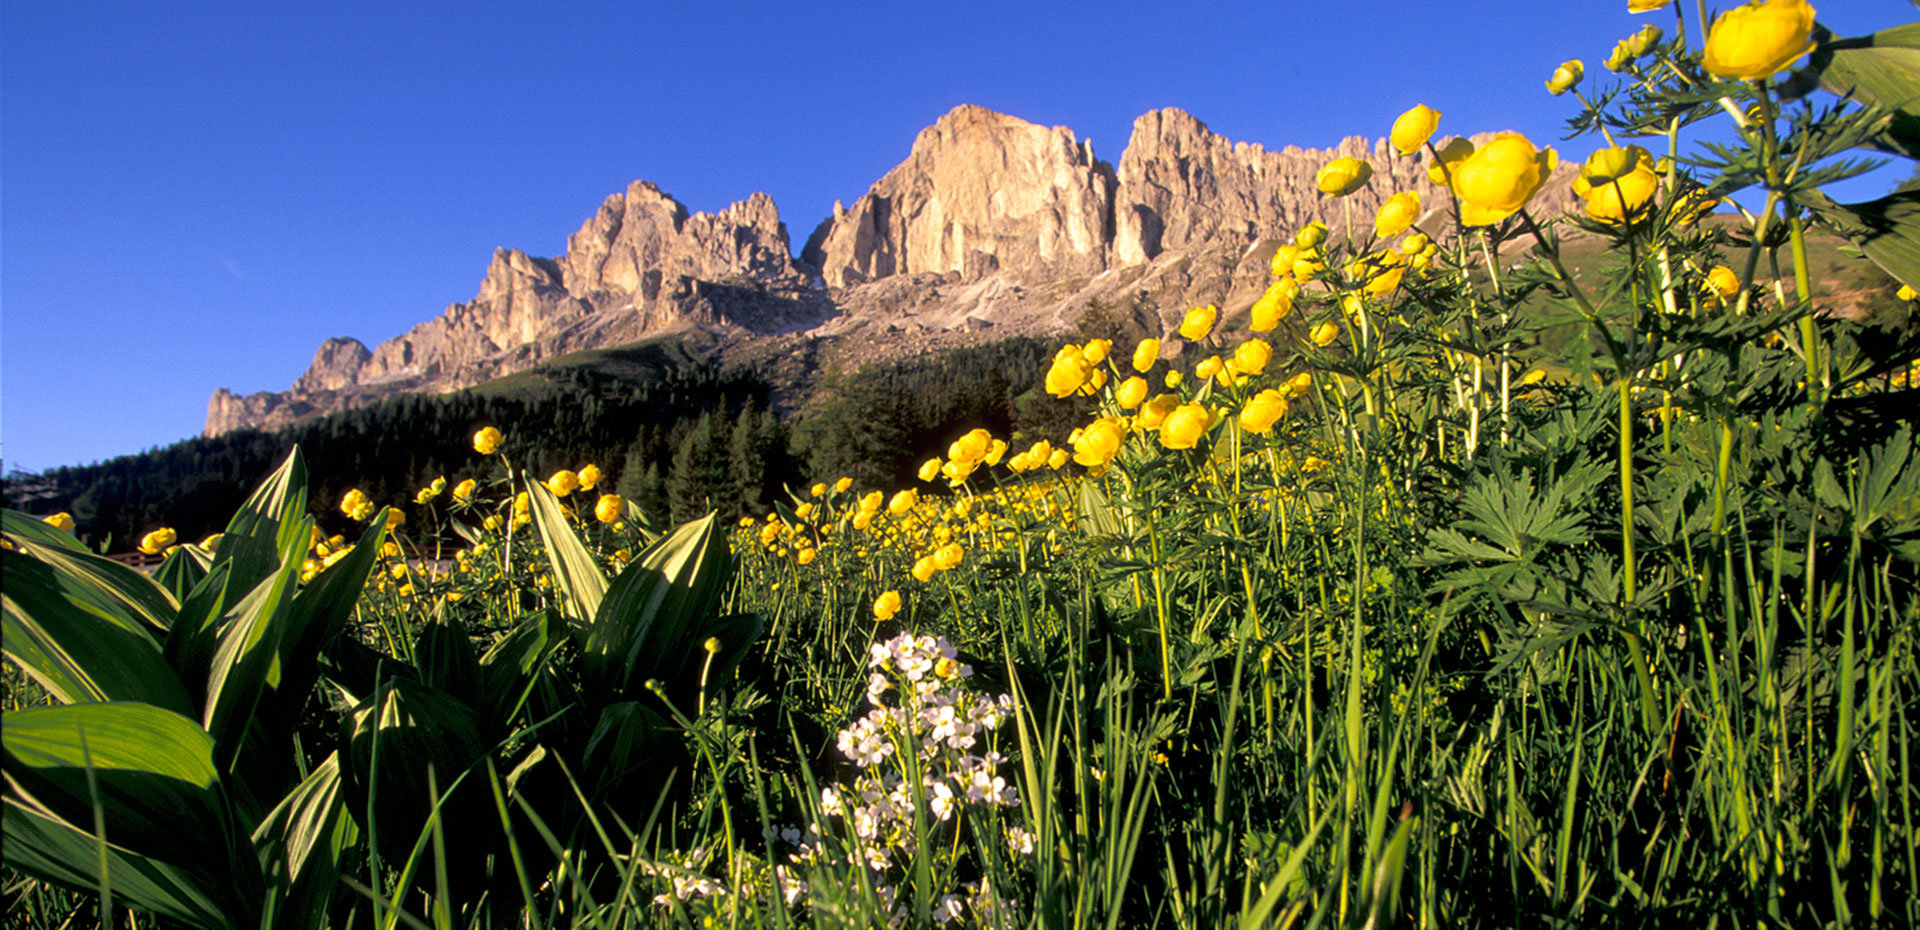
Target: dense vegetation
[{"x": 1391, "y": 611}]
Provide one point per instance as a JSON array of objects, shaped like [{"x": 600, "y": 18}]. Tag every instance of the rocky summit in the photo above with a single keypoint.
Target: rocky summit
[{"x": 991, "y": 226}]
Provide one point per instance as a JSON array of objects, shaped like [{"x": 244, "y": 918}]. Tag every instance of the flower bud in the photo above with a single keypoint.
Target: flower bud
[
  {"x": 1564, "y": 77},
  {"x": 1342, "y": 176},
  {"x": 1414, "y": 128}
]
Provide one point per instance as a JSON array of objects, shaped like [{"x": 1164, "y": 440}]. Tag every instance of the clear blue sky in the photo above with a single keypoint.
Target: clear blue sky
[{"x": 193, "y": 195}]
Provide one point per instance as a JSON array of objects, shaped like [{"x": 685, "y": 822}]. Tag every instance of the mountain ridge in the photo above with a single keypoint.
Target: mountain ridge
[{"x": 990, "y": 223}]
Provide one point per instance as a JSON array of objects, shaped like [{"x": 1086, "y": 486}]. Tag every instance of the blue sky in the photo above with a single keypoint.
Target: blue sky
[{"x": 193, "y": 195}]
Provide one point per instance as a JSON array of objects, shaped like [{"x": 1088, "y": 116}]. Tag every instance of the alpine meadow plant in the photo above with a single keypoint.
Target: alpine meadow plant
[{"x": 1481, "y": 567}]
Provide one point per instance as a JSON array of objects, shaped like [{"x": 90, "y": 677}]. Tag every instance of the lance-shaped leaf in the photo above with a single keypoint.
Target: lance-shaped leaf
[
  {"x": 80, "y": 650},
  {"x": 650, "y": 623},
  {"x": 183, "y": 568},
  {"x": 575, "y": 575},
  {"x": 150, "y": 774},
  {"x": 106, "y": 585},
  {"x": 303, "y": 844}
]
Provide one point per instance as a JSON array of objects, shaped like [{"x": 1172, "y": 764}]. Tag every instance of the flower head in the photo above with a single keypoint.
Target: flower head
[
  {"x": 563, "y": 483},
  {"x": 159, "y": 539},
  {"x": 589, "y": 477},
  {"x": 1100, "y": 441},
  {"x": 1342, "y": 176},
  {"x": 885, "y": 606},
  {"x": 1199, "y": 322},
  {"x": 1252, "y": 356},
  {"x": 1145, "y": 354},
  {"x": 1273, "y": 305},
  {"x": 1262, "y": 411},
  {"x": 1758, "y": 39},
  {"x": 1498, "y": 179},
  {"x": 62, "y": 521},
  {"x": 1183, "y": 427},
  {"x": 1397, "y": 214},
  {"x": 486, "y": 440},
  {"x": 1564, "y": 77},
  {"x": 1070, "y": 370},
  {"x": 609, "y": 508},
  {"x": 1617, "y": 183},
  {"x": 1414, "y": 128}
]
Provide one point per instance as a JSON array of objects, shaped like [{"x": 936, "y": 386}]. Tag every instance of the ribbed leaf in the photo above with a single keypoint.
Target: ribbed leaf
[
  {"x": 80, "y": 654},
  {"x": 508, "y": 669},
  {"x": 183, "y": 568},
  {"x": 575, "y": 575},
  {"x": 250, "y": 640},
  {"x": 1882, "y": 69},
  {"x": 651, "y": 621},
  {"x": 303, "y": 842},
  {"x": 410, "y": 726},
  {"x": 40, "y": 843},
  {"x": 110, "y": 587},
  {"x": 268, "y": 524}
]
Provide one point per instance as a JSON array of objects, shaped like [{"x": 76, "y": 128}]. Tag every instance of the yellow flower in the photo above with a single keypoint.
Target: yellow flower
[
  {"x": 1208, "y": 367},
  {"x": 463, "y": 491},
  {"x": 1617, "y": 183},
  {"x": 1413, "y": 245},
  {"x": 885, "y": 606},
  {"x": 1095, "y": 351},
  {"x": 1199, "y": 322},
  {"x": 1324, "y": 333},
  {"x": 62, "y": 521},
  {"x": 841, "y": 486},
  {"x": 1906, "y": 293},
  {"x": 923, "y": 569},
  {"x": 490, "y": 524},
  {"x": 1722, "y": 283},
  {"x": 1184, "y": 426},
  {"x": 395, "y": 517},
  {"x": 805, "y": 556},
  {"x": 929, "y": 469},
  {"x": 390, "y": 549},
  {"x": 1262, "y": 411},
  {"x": 159, "y": 539},
  {"x": 1310, "y": 235},
  {"x": 1440, "y": 170},
  {"x": 863, "y": 519},
  {"x": 1342, "y": 176},
  {"x": 1397, "y": 214},
  {"x": 1758, "y": 39},
  {"x": 486, "y": 440},
  {"x": 903, "y": 502},
  {"x": 427, "y": 493},
  {"x": 1533, "y": 376},
  {"x": 1499, "y": 178},
  {"x": 1274, "y": 305},
  {"x": 1252, "y": 356},
  {"x": 1145, "y": 354},
  {"x": 563, "y": 483},
  {"x": 1039, "y": 454},
  {"x": 1100, "y": 441},
  {"x": 1564, "y": 77},
  {"x": 1058, "y": 459},
  {"x": 590, "y": 477},
  {"x": 871, "y": 502},
  {"x": 1283, "y": 259},
  {"x": 1414, "y": 128},
  {"x": 995, "y": 450},
  {"x": 948, "y": 556},
  {"x": 1131, "y": 393},
  {"x": 522, "y": 503},
  {"x": 356, "y": 505},
  {"x": 1643, "y": 41},
  {"x": 1070, "y": 370},
  {"x": 1646, "y": 6},
  {"x": 1173, "y": 379},
  {"x": 609, "y": 508},
  {"x": 1154, "y": 412}
]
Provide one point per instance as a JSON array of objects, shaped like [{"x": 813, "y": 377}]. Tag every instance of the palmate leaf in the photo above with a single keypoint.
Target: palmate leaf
[
  {"x": 150, "y": 772},
  {"x": 80, "y": 650}
]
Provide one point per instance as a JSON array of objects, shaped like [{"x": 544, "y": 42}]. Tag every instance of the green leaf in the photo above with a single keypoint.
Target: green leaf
[
  {"x": 1887, "y": 230},
  {"x": 575, "y": 575},
  {"x": 151, "y": 773},
  {"x": 40, "y": 843},
  {"x": 80, "y": 651},
  {"x": 508, "y": 669},
  {"x": 648, "y": 626},
  {"x": 410, "y": 727},
  {"x": 183, "y": 568},
  {"x": 303, "y": 843},
  {"x": 95, "y": 579},
  {"x": 1882, "y": 69}
]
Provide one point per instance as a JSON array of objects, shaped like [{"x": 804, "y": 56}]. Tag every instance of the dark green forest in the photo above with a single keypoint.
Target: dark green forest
[{"x": 676, "y": 436}]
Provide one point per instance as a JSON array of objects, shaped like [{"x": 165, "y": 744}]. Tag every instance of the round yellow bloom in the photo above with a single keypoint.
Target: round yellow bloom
[
  {"x": 390, "y": 549},
  {"x": 1173, "y": 379},
  {"x": 1262, "y": 411},
  {"x": 1324, "y": 333},
  {"x": 923, "y": 569},
  {"x": 863, "y": 519},
  {"x": 948, "y": 556},
  {"x": 486, "y": 440},
  {"x": 972, "y": 447},
  {"x": 1039, "y": 454},
  {"x": 1058, "y": 459},
  {"x": 159, "y": 539},
  {"x": 1095, "y": 351},
  {"x": 1283, "y": 259},
  {"x": 1414, "y": 244},
  {"x": 1154, "y": 412},
  {"x": 395, "y": 518},
  {"x": 590, "y": 477},
  {"x": 1310, "y": 235},
  {"x": 1414, "y": 128},
  {"x": 463, "y": 491},
  {"x": 62, "y": 521},
  {"x": 1252, "y": 356},
  {"x": 1906, "y": 293},
  {"x": 1722, "y": 283},
  {"x": 929, "y": 469},
  {"x": 1397, "y": 214},
  {"x": 1131, "y": 393},
  {"x": 1342, "y": 176},
  {"x": 1100, "y": 441},
  {"x": 490, "y": 524},
  {"x": 841, "y": 486},
  {"x": 1208, "y": 367},
  {"x": 563, "y": 483},
  {"x": 1564, "y": 77},
  {"x": 1643, "y": 41},
  {"x": 1617, "y": 183},
  {"x": 1183, "y": 427},
  {"x": 885, "y": 606},
  {"x": 1758, "y": 39},
  {"x": 995, "y": 450},
  {"x": 1273, "y": 306},
  {"x": 1308, "y": 266},
  {"x": 609, "y": 508},
  {"x": 1145, "y": 354},
  {"x": 903, "y": 502},
  {"x": 1647, "y": 6},
  {"x": 871, "y": 502},
  {"x": 1199, "y": 322},
  {"x": 1070, "y": 370},
  {"x": 806, "y": 556},
  {"x": 1499, "y": 178}
]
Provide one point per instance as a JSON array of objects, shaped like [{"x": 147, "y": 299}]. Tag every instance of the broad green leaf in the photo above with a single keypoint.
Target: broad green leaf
[
  {"x": 151, "y": 773},
  {"x": 409, "y": 726},
  {"x": 80, "y": 654},
  {"x": 250, "y": 640},
  {"x": 267, "y": 524},
  {"x": 183, "y": 568},
  {"x": 648, "y": 626},
  {"x": 575, "y": 575},
  {"x": 1882, "y": 69},
  {"x": 1887, "y": 230},
  {"x": 95, "y": 579},
  {"x": 509, "y": 667},
  {"x": 443, "y": 654},
  {"x": 40, "y": 843},
  {"x": 303, "y": 843}
]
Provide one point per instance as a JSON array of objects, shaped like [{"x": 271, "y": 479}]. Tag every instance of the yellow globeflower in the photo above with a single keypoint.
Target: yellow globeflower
[
  {"x": 395, "y": 518},
  {"x": 159, "y": 539},
  {"x": 903, "y": 502},
  {"x": 1273, "y": 306},
  {"x": 1906, "y": 293},
  {"x": 1208, "y": 367},
  {"x": 923, "y": 569},
  {"x": 1283, "y": 259},
  {"x": 1758, "y": 39},
  {"x": 1100, "y": 441},
  {"x": 1262, "y": 411},
  {"x": 563, "y": 483},
  {"x": 1058, "y": 459},
  {"x": 929, "y": 469},
  {"x": 1324, "y": 333},
  {"x": 1145, "y": 354},
  {"x": 1154, "y": 412},
  {"x": 1070, "y": 370},
  {"x": 1414, "y": 244},
  {"x": 1414, "y": 128},
  {"x": 62, "y": 521},
  {"x": 1038, "y": 454},
  {"x": 1647, "y": 6},
  {"x": 841, "y": 486},
  {"x": 1199, "y": 322},
  {"x": 1183, "y": 427},
  {"x": 885, "y": 606},
  {"x": 1095, "y": 351},
  {"x": 1397, "y": 214},
  {"x": 948, "y": 556},
  {"x": 872, "y": 501},
  {"x": 1451, "y": 155},
  {"x": 486, "y": 440},
  {"x": 1131, "y": 392},
  {"x": 1310, "y": 235},
  {"x": 1499, "y": 178},
  {"x": 1564, "y": 77},
  {"x": 1252, "y": 356},
  {"x": 1173, "y": 379},
  {"x": 995, "y": 450},
  {"x": 463, "y": 491},
  {"x": 1722, "y": 283},
  {"x": 1342, "y": 176},
  {"x": 590, "y": 477},
  {"x": 609, "y": 508},
  {"x": 806, "y": 556}
]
